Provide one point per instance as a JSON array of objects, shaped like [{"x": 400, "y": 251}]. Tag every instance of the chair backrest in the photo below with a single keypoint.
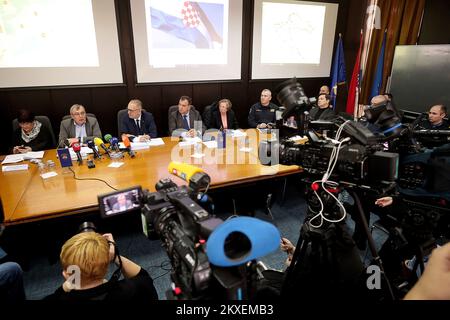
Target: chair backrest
[
  {"x": 45, "y": 122},
  {"x": 68, "y": 116}
]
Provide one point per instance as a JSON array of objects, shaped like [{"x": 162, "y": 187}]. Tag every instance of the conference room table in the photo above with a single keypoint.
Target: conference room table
[{"x": 27, "y": 197}]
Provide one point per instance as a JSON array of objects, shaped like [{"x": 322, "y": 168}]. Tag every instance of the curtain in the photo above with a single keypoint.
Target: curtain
[{"x": 401, "y": 19}]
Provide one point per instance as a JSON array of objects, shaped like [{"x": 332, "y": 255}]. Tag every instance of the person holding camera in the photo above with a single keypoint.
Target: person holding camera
[{"x": 85, "y": 259}]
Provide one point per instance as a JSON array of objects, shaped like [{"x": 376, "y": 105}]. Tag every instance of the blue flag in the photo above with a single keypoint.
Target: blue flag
[
  {"x": 378, "y": 78},
  {"x": 338, "y": 76}
]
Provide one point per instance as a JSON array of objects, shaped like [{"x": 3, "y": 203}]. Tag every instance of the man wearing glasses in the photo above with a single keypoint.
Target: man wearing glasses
[
  {"x": 139, "y": 125},
  {"x": 79, "y": 128}
]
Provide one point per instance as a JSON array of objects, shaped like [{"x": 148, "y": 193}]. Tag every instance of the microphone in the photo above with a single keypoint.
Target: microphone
[
  {"x": 76, "y": 148},
  {"x": 127, "y": 145},
  {"x": 262, "y": 238},
  {"x": 91, "y": 145},
  {"x": 99, "y": 143},
  {"x": 107, "y": 138},
  {"x": 194, "y": 176},
  {"x": 115, "y": 143}
]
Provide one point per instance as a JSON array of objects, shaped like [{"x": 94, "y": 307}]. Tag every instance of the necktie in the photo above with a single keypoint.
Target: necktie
[
  {"x": 138, "y": 126},
  {"x": 185, "y": 122}
]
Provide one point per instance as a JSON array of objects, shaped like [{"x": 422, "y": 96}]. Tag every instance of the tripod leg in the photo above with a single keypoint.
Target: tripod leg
[{"x": 372, "y": 246}]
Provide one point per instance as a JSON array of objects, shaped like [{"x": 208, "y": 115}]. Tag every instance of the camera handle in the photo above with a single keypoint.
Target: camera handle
[
  {"x": 116, "y": 274},
  {"x": 370, "y": 240}
]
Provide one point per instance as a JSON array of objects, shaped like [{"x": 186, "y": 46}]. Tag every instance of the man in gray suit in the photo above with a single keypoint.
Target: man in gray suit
[
  {"x": 185, "y": 121},
  {"x": 79, "y": 128}
]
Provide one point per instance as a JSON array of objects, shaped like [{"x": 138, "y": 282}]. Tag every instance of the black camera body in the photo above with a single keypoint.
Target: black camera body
[{"x": 173, "y": 214}]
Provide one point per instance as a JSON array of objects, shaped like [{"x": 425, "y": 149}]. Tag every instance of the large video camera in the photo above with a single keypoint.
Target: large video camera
[
  {"x": 346, "y": 149},
  {"x": 211, "y": 259}
]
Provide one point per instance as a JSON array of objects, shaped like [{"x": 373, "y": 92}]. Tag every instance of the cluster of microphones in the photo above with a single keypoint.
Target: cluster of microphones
[{"x": 98, "y": 144}]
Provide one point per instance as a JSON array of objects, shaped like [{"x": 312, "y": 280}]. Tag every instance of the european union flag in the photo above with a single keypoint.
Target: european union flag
[
  {"x": 339, "y": 75},
  {"x": 378, "y": 78}
]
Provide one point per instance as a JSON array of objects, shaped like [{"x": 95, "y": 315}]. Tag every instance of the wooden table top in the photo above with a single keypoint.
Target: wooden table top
[{"x": 27, "y": 197}]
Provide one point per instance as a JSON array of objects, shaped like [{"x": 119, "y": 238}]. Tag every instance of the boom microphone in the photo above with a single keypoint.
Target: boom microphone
[
  {"x": 126, "y": 143},
  {"x": 91, "y": 145},
  {"x": 99, "y": 143},
  {"x": 76, "y": 148},
  {"x": 194, "y": 176}
]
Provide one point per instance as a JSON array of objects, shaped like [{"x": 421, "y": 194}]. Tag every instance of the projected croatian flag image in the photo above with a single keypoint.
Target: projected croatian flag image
[
  {"x": 195, "y": 28},
  {"x": 186, "y": 24}
]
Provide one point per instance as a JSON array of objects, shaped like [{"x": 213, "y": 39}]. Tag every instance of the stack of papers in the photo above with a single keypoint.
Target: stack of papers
[{"x": 14, "y": 158}]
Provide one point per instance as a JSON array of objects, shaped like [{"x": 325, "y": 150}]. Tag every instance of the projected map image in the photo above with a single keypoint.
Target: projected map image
[
  {"x": 291, "y": 33},
  {"x": 187, "y": 32},
  {"x": 47, "y": 33}
]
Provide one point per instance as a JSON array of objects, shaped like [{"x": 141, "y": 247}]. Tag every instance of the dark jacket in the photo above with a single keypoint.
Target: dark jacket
[
  {"x": 176, "y": 120},
  {"x": 216, "y": 122},
  {"x": 327, "y": 114},
  {"x": 138, "y": 288},
  {"x": 147, "y": 124},
  {"x": 43, "y": 140},
  {"x": 259, "y": 114}
]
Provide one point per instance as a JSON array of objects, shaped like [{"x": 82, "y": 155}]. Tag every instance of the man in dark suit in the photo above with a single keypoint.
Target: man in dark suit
[
  {"x": 323, "y": 110},
  {"x": 139, "y": 125},
  {"x": 79, "y": 128},
  {"x": 185, "y": 121}
]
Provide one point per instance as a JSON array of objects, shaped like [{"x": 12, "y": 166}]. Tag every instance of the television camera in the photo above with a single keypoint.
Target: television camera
[
  {"x": 363, "y": 158},
  {"x": 210, "y": 258}
]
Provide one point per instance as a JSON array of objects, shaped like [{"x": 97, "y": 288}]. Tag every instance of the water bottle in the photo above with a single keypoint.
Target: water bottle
[{"x": 221, "y": 139}]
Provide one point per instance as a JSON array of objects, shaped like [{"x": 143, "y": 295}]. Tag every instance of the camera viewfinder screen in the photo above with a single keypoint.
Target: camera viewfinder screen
[{"x": 119, "y": 202}]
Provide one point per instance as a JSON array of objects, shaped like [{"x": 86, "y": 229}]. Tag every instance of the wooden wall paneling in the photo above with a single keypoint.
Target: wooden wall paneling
[
  {"x": 151, "y": 98},
  {"x": 205, "y": 93},
  {"x": 106, "y": 101},
  {"x": 62, "y": 100}
]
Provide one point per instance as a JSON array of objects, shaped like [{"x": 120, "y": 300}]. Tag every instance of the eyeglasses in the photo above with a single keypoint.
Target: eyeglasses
[{"x": 79, "y": 114}]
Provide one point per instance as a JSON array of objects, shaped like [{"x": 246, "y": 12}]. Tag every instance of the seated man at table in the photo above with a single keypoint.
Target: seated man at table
[
  {"x": 262, "y": 113},
  {"x": 138, "y": 125},
  {"x": 435, "y": 121},
  {"x": 79, "y": 128},
  {"x": 185, "y": 121}
]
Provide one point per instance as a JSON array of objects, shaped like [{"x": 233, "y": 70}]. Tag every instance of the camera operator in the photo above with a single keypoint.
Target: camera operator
[
  {"x": 92, "y": 253},
  {"x": 435, "y": 121}
]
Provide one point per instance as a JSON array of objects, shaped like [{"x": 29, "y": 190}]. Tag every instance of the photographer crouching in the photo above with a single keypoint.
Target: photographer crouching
[{"x": 85, "y": 259}]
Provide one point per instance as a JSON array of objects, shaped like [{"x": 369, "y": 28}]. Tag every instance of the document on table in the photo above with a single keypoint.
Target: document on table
[
  {"x": 14, "y": 158},
  {"x": 16, "y": 167}
]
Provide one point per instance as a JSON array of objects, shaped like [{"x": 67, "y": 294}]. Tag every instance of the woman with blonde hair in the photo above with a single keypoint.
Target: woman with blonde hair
[{"x": 85, "y": 259}]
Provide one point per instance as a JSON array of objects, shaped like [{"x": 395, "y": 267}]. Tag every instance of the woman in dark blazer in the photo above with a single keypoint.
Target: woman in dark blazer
[
  {"x": 223, "y": 117},
  {"x": 31, "y": 134}
]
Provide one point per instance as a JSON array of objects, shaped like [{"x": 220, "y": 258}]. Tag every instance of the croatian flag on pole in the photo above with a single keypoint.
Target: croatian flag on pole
[{"x": 184, "y": 24}]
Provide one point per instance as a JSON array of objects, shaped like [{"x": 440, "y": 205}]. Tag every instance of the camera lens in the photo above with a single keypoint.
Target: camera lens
[{"x": 87, "y": 226}]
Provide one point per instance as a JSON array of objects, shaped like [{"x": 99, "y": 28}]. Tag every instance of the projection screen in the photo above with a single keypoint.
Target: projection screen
[{"x": 58, "y": 43}]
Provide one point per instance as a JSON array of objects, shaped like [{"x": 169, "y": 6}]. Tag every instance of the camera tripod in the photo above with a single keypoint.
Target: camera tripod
[{"x": 326, "y": 262}]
